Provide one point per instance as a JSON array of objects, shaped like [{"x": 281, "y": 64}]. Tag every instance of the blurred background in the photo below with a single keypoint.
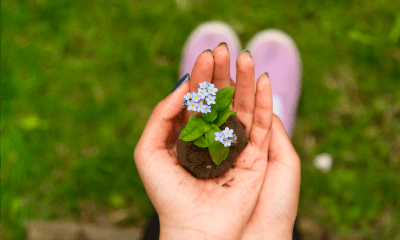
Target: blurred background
[{"x": 79, "y": 80}]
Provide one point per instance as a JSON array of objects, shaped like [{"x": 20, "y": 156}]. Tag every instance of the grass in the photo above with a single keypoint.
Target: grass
[{"x": 80, "y": 80}]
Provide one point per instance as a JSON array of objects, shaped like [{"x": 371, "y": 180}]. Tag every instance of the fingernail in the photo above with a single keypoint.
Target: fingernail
[
  {"x": 223, "y": 43},
  {"x": 247, "y": 51},
  {"x": 265, "y": 73},
  {"x": 184, "y": 79},
  {"x": 208, "y": 50}
]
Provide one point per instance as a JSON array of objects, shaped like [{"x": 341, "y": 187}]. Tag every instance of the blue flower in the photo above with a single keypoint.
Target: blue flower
[
  {"x": 192, "y": 105},
  {"x": 195, "y": 97},
  {"x": 212, "y": 89},
  {"x": 210, "y": 99},
  {"x": 227, "y": 142},
  {"x": 207, "y": 109},
  {"x": 204, "y": 84},
  {"x": 201, "y": 107},
  {"x": 228, "y": 132},
  {"x": 202, "y": 93},
  {"x": 188, "y": 97},
  {"x": 219, "y": 136}
]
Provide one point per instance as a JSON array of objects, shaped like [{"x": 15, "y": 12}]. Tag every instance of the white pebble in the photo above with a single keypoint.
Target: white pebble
[{"x": 323, "y": 162}]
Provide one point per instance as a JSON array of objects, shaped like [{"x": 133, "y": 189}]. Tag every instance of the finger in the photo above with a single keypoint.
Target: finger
[
  {"x": 279, "y": 194},
  {"x": 221, "y": 75},
  {"x": 244, "y": 91},
  {"x": 179, "y": 121},
  {"x": 282, "y": 181},
  {"x": 162, "y": 119},
  {"x": 202, "y": 71},
  {"x": 262, "y": 119},
  {"x": 176, "y": 123},
  {"x": 232, "y": 84},
  {"x": 281, "y": 148}
]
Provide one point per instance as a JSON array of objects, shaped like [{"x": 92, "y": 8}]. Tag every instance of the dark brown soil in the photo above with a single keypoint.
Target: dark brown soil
[{"x": 190, "y": 155}]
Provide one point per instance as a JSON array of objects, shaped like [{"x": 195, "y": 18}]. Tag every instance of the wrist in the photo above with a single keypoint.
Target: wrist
[
  {"x": 282, "y": 236},
  {"x": 276, "y": 232},
  {"x": 176, "y": 233}
]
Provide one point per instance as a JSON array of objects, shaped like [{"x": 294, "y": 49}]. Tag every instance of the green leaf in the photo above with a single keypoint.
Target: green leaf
[
  {"x": 217, "y": 150},
  {"x": 201, "y": 142},
  {"x": 211, "y": 116},
  {"x": 223, "y": 98},
  {"x": 194, "y": 129},
  {"x": 223, "y": 116},
  {"x": 210, "y": 134}
]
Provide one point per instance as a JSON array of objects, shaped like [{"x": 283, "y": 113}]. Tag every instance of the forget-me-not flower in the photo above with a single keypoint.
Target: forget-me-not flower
[
  {"x": 233, "y": 138},
  {"x": 212, "y": 89},
  {"x": 202, "y": 93},
  {"x": 204, "y": 84},
  {"x": 228, "y": 132},
  {"x": 195, "y": 97},
  {"x": 207, "y": 109},
  {"x": 210, "y": 99},
  {"x": 192, "y": 105},
  {"x": 219, "y": 136},
  {"x": 188, "y": 97},
  {"x": 227, "y": 142},
  {"x": 201, "y": 107},
  {"x": 184, "y": 103}
]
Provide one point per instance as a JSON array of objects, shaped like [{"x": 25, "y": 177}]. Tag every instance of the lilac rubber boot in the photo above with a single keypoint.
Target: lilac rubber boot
[
  {"x": 207, "y": 36},
  {"x": 275, "y": 52}
]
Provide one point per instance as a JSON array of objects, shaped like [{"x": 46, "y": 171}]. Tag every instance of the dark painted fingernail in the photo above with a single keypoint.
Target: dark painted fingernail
[
  {"x": 186, "y": 77},
  {"x": 247, "y": 51},
  {"x": 208, "y": 50},
  {"x": 223, "y": 43},
  {"x": 265, "y": 73}
]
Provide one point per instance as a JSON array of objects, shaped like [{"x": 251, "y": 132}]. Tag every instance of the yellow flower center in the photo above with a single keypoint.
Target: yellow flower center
[
  {"x": 220, "y": 136},
  {"x": 211, "y": 90},
  {"x": 227, "y": 141},
  {"x": 192, "y": 105},
  {"x": 201, "y": 106},
  {"x": 202, "y": 93}
]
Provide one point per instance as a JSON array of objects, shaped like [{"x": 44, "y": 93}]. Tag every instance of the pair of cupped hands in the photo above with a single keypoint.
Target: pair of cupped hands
[{"x": 265, "y": 183}]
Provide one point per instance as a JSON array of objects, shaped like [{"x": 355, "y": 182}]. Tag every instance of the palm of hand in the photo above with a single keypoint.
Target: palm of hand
[{"x": 205, "y": 206}]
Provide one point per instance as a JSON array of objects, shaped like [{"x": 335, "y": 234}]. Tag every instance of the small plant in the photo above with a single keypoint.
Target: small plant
[{"x": 215, "y": 110}]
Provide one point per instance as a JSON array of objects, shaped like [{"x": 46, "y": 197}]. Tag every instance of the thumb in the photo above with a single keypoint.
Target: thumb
[
  {"x": 160, "y": 123},
  {"x": 281, "y": 188},
  {"x": 282, "y": 180},
  {"x": 281, "y": 148}
]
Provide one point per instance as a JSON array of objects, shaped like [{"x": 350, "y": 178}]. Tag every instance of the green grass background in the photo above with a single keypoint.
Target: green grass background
[{"x": 79, "y": 80}]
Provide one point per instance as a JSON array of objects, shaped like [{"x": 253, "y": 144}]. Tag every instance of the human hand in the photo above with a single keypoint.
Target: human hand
[
  {"x": 275, "y": 212},
  {"x": 191, "y": 208}
]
